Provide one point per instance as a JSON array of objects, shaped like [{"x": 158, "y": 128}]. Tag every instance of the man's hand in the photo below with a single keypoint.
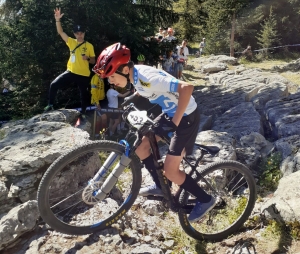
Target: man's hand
[
  {"x": 84, "y": 57},
  {"x": 57, "y": 14},
  {"x": 165, "y": 127}
]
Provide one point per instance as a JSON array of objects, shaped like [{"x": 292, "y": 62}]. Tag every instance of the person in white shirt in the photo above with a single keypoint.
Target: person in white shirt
[
  {"x": 112, "y": 97},
  {"x": 183, "y": 53},
  {"x": 202, "y": 46},
  {"x": 160, "y": 33},
  {"x": 179, "y": 122}
]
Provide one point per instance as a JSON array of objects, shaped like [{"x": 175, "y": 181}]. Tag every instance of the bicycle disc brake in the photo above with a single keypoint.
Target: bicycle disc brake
[{"x": 88, "y": 193}]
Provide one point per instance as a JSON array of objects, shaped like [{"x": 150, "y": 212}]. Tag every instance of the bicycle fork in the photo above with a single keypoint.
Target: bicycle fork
[{"x": 111, "y": 180}]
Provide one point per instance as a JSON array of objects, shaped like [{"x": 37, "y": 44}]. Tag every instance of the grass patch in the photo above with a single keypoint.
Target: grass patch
[
  {"x": 271, "y": 174},
  {"x": 264, "y": 65},
  {"x": 2, "y": 134},
  {"x": 292, "y": 76},
  {"x": 185, "y": 243}
]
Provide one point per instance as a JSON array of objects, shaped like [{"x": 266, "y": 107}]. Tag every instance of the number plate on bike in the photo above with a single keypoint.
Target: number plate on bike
[{"x": 137, "y": 118}]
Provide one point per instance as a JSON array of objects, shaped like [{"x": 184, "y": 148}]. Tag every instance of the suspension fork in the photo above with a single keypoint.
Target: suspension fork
[{"x": 111, "y": 180}]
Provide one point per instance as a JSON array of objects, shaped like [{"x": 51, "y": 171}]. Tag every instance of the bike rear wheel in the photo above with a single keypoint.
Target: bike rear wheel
[
  {"x": 236, "y": 192},
  {"x": 65, "y": 197}
]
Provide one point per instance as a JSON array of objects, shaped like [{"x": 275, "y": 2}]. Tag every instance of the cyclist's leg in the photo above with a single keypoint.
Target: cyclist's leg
[
  {"x": 144, "y": 153},
  {"x": 184, "y": 138}
]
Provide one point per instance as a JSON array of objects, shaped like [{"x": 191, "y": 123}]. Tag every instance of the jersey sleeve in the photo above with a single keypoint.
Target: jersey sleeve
[{"x": 163, "y": 82}]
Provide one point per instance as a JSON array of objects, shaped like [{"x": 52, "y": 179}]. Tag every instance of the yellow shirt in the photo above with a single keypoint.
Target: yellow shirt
[
  {"x": 97, "y": 89},
  {"x": 76, "y": 64}
]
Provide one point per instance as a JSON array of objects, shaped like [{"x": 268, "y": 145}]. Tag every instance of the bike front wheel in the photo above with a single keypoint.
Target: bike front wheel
[
  {"x": 65, "y": 194},
  {"x": 235, "y": 190}
]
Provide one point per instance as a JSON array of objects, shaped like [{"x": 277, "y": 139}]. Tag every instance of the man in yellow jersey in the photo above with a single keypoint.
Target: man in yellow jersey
[{"x": 81, "y": 55}]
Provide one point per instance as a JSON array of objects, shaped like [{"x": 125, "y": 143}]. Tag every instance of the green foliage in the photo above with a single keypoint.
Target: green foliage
[
  {"x": 268, "y": 36},
  {"x": 2, "y": 134},
  {"x": 220, "y": 14},
  {"x": 191, "y": 21},
  {"x": 271, "y": 173},
  {"x": 33, "y": 54},
  {"x": 274, "y": 229},
  {"x": 294, "y": 228}
]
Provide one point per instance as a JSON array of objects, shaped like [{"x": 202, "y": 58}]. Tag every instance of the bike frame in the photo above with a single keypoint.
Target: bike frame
[{"x": 170, "y": 199}]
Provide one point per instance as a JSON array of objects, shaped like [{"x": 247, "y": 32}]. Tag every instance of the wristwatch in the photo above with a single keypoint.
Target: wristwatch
[{"x": 88, "y": 59}]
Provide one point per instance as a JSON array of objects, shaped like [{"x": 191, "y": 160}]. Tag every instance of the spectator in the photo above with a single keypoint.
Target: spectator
[
  {"x": 248, "y": 53},
  {"x": 170, "y": 36},
  {"x": 182, "y": 52},
  {"x": 98, "y": 98},
  {"x": 141, "y": 59},
  {"x": 112, "y": 96},
  {"x": 202, "y": 46},
  {"x": 160, "y": 34},
  {"x": 81, "y": 55},
  {"x": 168, "y": 64}
]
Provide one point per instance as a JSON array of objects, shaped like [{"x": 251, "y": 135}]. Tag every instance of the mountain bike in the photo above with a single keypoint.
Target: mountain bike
[{"x": 91, "y": 187}]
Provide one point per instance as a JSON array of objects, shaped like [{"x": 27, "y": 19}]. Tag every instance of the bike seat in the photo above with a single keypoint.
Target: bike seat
[{"x": 210, "y": 149}]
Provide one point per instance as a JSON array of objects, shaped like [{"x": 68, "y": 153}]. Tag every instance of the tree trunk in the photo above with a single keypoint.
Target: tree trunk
[{"x": 232, "y": 35}]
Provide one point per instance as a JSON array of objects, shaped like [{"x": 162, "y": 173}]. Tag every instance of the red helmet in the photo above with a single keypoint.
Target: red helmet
[{"x": 111, "y": 59}]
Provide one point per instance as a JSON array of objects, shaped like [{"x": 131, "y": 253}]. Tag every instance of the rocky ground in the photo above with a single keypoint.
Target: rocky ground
[{"x": 220, "y": 85}]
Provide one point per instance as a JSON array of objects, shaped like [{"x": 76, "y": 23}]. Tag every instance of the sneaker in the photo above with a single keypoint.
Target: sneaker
[
  {"x": 152, "y": 190},
  {"x": 48, "y": 108},
  {"x": 200, "y": 209}
]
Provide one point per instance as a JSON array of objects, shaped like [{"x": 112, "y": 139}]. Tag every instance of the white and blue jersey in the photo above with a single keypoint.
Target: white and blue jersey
[{"x": 160, "y": 88}]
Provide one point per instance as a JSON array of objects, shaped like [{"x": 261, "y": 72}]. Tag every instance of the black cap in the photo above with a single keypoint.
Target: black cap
[{"x": 78, "y": 28}]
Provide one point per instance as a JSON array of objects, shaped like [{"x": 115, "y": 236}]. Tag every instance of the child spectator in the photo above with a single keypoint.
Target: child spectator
[
  {"x": 112, "y": 96},
  {"x": 168, "y": 64}
]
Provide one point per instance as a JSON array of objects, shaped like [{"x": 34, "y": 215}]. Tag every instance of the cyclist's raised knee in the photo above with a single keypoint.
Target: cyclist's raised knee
[{"x": 143, "y": 150}]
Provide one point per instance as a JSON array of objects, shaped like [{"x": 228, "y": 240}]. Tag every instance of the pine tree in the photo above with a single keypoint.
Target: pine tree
[
  {"x": 268, "y": 35},
  {"x": 221, "y": 23}
]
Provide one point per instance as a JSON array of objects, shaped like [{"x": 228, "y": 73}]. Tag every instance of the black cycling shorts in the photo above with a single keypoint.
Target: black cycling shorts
[{"x": 185, "y": 135}]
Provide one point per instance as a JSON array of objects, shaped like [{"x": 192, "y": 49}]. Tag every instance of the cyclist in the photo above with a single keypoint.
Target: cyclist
[
  {"x": 180, "y": 117},
  {"x": 141, "y": 59}
]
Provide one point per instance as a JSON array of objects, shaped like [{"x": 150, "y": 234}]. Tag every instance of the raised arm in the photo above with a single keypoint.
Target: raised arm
[{"x": 58, "y": 16}]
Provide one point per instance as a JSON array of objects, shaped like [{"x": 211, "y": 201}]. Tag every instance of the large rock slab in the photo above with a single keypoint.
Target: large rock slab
[
  {"x": 214, "y": 67},
  {"x": 284, "y": 116},
  {"x": 27, "y": 150},
  {"x": 289, "y": 149},
  {"x": 224, "y": 141},
  {"x": 286, "y": 199},
  {"x": 18, "y": 221},
  {"x": 239, "y": 121},
  {"x": 223, "y": 59},
  {"x": 271, "y": 91}
]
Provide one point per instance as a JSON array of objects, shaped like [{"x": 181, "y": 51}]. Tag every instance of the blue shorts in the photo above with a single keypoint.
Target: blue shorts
[{"x": 180, "y": 66}]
